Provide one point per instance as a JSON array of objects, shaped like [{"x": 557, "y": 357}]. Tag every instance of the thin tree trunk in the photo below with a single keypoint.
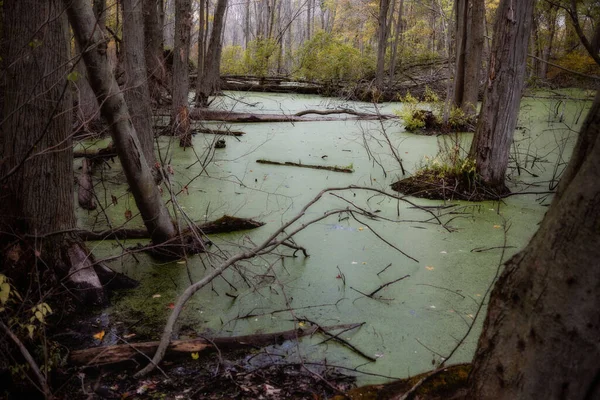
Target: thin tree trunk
[
  {"x": 208, "y": 84},
  {"x": 137, "y": 94},
  {"x": 154, "y": 45},
  {"x": 114, "y": 109},
  {"x": 473, "y": 55},
  {"x": 382, "y": 35},
  {"x": 540, "y": 337},
  {"x": 502, "y": 96},
  {"x": 461, "y": 45},
  {"x": 181, "y": 56},
  {"x": 397, "y": 36},
  {"x": 201, "y": 45}
]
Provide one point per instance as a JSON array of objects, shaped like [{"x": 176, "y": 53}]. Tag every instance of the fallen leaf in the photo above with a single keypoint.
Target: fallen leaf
[
  {"x": 497, "y": 226},
  {"x": 443, "y": 252},
  {"x": 114, "y": 199},
  {"x": 129, "y": 336},
  {"x": 429, "y": 268},
  {"x": 195, "y": 355},
  {"x": 128, "y": 214},
  {"x": 171, "y": 305},
  {"x": 99, "y": 335},
  {"x": 361, "y": 229},
  {"x": 180, "y": 262},
  {"x": 338, "y": 276},
  {"x": 301, "y": 324},
  {"x": 155, "y": 296}
]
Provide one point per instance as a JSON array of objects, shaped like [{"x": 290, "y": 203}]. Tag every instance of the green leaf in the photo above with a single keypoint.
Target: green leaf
[
  {"x": 4, "y": 292},
  {"x": 73, "y": 76}
]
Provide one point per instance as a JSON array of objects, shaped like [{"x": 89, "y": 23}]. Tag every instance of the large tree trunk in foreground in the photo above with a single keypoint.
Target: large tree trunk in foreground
[
  {"x": 137, "y": 94},
  {"x": 502, "y": 96},
  {"x": 138, "y": 174},
  {"x": 36, "y": 171},
  {"x": 208, "y": 84},
  {"x": 541, "y": 338}
]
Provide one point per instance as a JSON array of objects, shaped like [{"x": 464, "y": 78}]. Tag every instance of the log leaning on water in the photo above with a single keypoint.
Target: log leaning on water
[
  {"x": 124, "y": 352},
  {"x": 225, "y": 224}
]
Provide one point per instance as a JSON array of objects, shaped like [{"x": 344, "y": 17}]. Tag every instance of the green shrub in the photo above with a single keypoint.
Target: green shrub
[{"x": 232, "y": 61}]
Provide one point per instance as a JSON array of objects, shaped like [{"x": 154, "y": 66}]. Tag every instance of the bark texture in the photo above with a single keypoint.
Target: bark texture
[
  {"x": 541, "y": 336},
  {"x": 469, "y": 50},
  {"x": 502, "y": 96},
  {"x": 138, "y": 174},
  {"x": 154, "y": 41},
  {"x": 208, "y": 84},
  {"x": 36, "y": 173},
  {"x": 137, "y": 94},
  {"x": 181, "y": 55},
  {"x": 382, "y": 35}
]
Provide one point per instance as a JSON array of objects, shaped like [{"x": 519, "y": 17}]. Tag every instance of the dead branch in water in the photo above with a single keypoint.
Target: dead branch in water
[{"x": 293, "y": 164}]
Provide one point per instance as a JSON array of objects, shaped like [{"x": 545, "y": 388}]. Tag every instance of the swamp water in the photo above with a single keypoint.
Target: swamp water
[{"x": 410, "y": 324}]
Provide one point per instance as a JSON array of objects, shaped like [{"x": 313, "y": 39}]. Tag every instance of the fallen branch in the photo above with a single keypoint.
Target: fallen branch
[
  {"x": 345, "y": 111},
  {"x": 123, "y": 352},
  {"x": 386, "y": 285},
  {"x": 204, "y": 114},
  {"x": 107, "y": 152},
  {"x": 225, "y": 224},
  {"x": 334, "y": 168}
]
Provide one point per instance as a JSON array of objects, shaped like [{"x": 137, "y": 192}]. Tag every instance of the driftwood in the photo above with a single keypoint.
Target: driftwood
[
  {"x": 85, "y": 193},
  {"x": 293, "y": 164},
  {"x": 224, "y": 224},
  {"x": 124, "y": 352}
]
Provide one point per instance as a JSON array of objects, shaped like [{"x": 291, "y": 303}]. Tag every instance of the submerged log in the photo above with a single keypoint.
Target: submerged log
[
  {"x": 124, "y": 352},
  {"x": 334, "y": 168},
  {"x": 105, "y": 153},
  {"x": 85, "y": 193},
  {"x": 225, "y": 224}
]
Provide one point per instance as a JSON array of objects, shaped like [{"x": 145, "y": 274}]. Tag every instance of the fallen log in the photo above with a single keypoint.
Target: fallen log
[
  {"x": 85, "y": 193},
  {"x": 219, "y": 132},
  {"x": 124, "y": 352},
  {"x": 334, "y": 168},
  {"x": 205, "y": 114},
  {"x": 107, "y": 152},
  {"x": 225, "y": 224}
]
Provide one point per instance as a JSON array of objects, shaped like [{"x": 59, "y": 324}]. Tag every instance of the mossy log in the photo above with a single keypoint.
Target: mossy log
[{"x": 125, "y": 352}]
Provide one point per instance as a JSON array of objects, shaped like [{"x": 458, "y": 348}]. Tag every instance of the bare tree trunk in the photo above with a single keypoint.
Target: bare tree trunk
[
  {"x": 382, "y": 35},
  {"x": 397, "y": 35},
  {"x": 181, "y": 56},
  {"x": 502, "y": 96},
  {"x": 547, "y": 51},
  {"x": 114, "y": 109},
  {"x": 36, "y": 173},
  {"x": 208, "y": 84},
  {"x": 247, "y": 25},
  {"x": 137, "y": 94},
  {"x": 201, "y": 44},
  {"x": 540, "y": 337},
  {"x": 153, "y": 28},
  {"x": 469, "y": 48}
]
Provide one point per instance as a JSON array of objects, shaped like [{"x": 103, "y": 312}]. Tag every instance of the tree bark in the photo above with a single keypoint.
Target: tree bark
[
  {"x": 154, "y": 53},
  {"x": 208, "y": 84},
  {"x": 114, "y": 109},
  {"x": 36, "y": 173},
  {"x": 540, "y": 337},
  {"x": 469, "y": 49},
  {"x": 382, "y": 35},
  {"x": 505, "y": 80},
  {"x": 137, "y": 94},
  {"x": 181, "y": 56}
]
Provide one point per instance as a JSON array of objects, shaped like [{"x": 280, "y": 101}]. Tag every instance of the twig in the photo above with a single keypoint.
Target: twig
[{"x": 386, "y": 285}]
